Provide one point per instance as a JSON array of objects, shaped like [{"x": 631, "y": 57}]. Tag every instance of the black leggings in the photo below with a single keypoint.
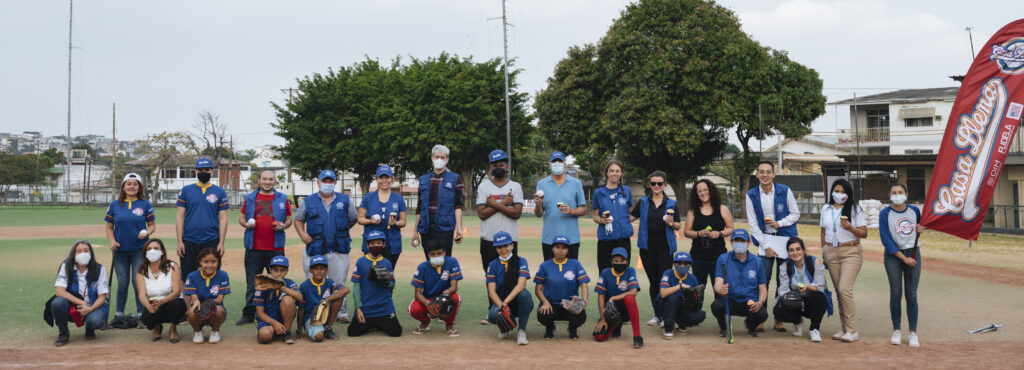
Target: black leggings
[
  {"x": 388, "y": 324},
  {"x": 171, "y": 313},
  {"x": 814, "y": 309},
  {"x": 656, "y": 260},
  {"x": 604, "y": 252},
  {"x": 559, "y": 313}
]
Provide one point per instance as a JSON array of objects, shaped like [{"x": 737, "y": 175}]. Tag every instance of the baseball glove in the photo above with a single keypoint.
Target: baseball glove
[
  {"x": 504, "y": 320},
  {"x": 434, "y": 309},
  {"x": 693, "y": 297},
  {"x": 321, "y": 313},
  {"x": 792, "y": 301},
  {"x": 268, "y": 282},
  {"x": 574, "y": 305},
  {"x": 381, "y": 274},
  {"x": 206, "y": 308},
  {"x": 446, "y": 306},
  {"x": 612, "y": 316}
]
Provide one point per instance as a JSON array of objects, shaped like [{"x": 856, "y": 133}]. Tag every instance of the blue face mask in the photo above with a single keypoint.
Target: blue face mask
[
  {"x": 557, "y": 168},
  {"x": 327, "y": 189},
  {"x": 739, "y": 247},
  {"x": 682, "y": 270}
]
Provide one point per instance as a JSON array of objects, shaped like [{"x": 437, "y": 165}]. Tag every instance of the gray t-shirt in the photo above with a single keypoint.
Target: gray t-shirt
[
  {"x": 499, "y": 222},
  {"x": 300, "y": 214},
  {"x": 903, "y": 227}
]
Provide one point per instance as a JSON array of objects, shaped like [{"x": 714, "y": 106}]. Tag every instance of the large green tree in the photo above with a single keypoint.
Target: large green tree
[{"x": 22, "y": 169}]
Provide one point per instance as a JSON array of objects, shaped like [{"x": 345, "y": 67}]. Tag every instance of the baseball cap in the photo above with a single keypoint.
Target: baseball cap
[
  {"x": 682, "y": 257},
  {"x": 327, "y": 174},
  {"x": 317, "y": 260},
  {"x": 385, "y": 170},
  {"x": 497, "y": 155},
  {"x": 279, "y": 261},
  {"x": 374, "y": 235},
  {"x": 560, "y": 239},
  {"x": 132, "y": 176},
  {"x": 556, "y": 155},
  {"x": 204, "y": 163},
  {"x": 620, "y": 252},
  {"x": 740, "y": 234},
  {"x": 502, "y": 238}
]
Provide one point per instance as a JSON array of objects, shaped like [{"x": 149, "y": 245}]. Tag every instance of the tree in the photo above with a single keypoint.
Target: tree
[
  {"x": 160, "y": 151},
  {"x": 22, "y": 169},
  {"x": 54, "y": 156},
  {"x": 210, "y": 135}
]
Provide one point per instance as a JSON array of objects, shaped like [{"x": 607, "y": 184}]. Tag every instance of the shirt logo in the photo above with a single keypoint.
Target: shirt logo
[
  {"x": 751, "y": 274},
  {"x": 622, "y": 201},
  {"x": 778, "y": 208},
  {"x": 212, "y": 198},
  {"x": 215, "y": 289},
  {"x": 664, "y": 278},
  {"x": 1009, "y": 56},
  {"x": 623, "y": 285},
  {"x": 904, "y": 226},
  {"x": 257, "y": 293},
  {"x": 444, "y": 275},
  {"x": 280, "y": 205},
  {"x": 569, "y": 275},
  {"x": 137, "y": 211},
  {"x": 394, "y": 206},
  {"x": 417, "y": 273},
  {"x": 613, "y": 196},
  {"x": 340, "y": 205},
  {"x": 327, "y": 293},
  {"x": 600, "y": 280},
  {"x": 448, "y": 185}
]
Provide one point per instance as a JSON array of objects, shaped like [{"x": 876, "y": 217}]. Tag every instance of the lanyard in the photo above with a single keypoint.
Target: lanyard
[
  {"x": 801, "y": 276},
  {"x": 834, "y": 221}
]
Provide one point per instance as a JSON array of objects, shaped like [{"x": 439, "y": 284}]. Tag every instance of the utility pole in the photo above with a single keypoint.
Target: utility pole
[
  {"x": 508, "y": 114},
  {"x": 67, "y": 154},
  {"x": 113, "y": 153},
  {"x": 971, "y": 38},
  {"x": 860, "y": 171}
]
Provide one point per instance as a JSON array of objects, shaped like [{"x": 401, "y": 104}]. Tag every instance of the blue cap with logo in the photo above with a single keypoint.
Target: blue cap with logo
[
  {"x": 620, "y": 251},
  {"x": 374, "y": 235},
  {"x": 740, "y": 234},
  {"x": 317, "y": 260},
  {"x": 279, "y": 261},
  {"x": 560, "y": 239},
  {"x": 204, "y": 163},
  {"x": 327, "y": 174},
  {"x": 502, "y": 238},
  {"x": 385, "y": 170},
  {"x": 497, "y": 155},
  {"x": 682, "y": 257},
  {"x": 556, "y": 155}
]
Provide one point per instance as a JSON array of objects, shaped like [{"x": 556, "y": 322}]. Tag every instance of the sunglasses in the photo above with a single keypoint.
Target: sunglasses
[{"x": 657, "y": 183}]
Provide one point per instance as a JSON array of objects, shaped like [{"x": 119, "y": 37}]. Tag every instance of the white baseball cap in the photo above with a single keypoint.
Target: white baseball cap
[{"x": 132, "y": 176}]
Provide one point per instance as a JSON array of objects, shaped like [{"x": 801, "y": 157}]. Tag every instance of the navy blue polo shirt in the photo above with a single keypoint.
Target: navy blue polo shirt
[
  {"x": 560, "y": 280},
  {"x": 670, "y": 279},
  {"x": 202, "y": 204},
  {"x": 129, "y": 218},
  {"x": 743, "y": 277},
  {"x": 609, "y": 284},
  {"x": 374, "y": 295},
  {"x": 436, "y": 279}
]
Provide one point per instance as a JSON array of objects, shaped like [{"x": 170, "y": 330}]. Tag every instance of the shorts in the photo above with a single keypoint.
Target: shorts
[
  {"x": 260, "y": 324},
  {"x": 313, "y": 330}
]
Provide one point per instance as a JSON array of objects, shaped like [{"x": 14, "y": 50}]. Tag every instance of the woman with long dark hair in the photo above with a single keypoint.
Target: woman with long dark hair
[
  {"x": 843, "y": 225},
  {"x": 612, "y": 203},
  {"x": 159, "y": 282},
  {"x": 507, "y": 276},
  {"x": 656, "y": 237},
  {"x": 709, "y": 224},
  {"x": 130, "y": 222},
  {"x": 899, "y": 228},
  {"x": 81, "y": 293}
]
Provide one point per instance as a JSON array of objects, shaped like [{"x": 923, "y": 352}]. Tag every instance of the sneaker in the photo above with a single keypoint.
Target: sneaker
[
  {"x": 288, "y": 338},
  {"x": 502, "y": 335},
  {"x": 682, "y": 330},
  {"x": 752, "y": 332},
  {"x": 721, "y": 333},
  {"x": 638, "y": 342},
  {"x": 760, "y": 327},
  {"x": 549, "y": 333},
  {"x": 667, "y": 335},
  {"x": 654, "y": 322},
  {"x": 485, "y": 322},
  {"x": 912, "y": 340},
  {"x": 850, "y": 337},
  {"x": 797, "y": 330},
  {"x": 421, "y": 329},
  {"x": 896, "y": 338},
  {"x": 214, "y": 337},
  {"x": 522, "y": 338},
  {"x": 62, "y": 339},
  {"x": 573, "y": 335},
  {"x": 838, "y": 335},
  {"x": 342, "y": 320},
  {"x": 815, "y": 336},
  {"x": 90, "y": 334},
  {"x": 329, "y": 333},
  {"x": 244, "y": 320},
  {"x": 198, "y": 338},
  {"x": 780, "y": 327}
]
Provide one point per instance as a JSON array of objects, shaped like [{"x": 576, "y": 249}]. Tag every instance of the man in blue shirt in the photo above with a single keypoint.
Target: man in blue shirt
[
  {"x": 202, "y": 218},
  {"x": 741, "y": 283},
  {"x": 560, "y": 201}
]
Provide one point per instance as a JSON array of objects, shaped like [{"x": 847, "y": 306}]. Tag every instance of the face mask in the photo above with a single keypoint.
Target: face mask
[
  {"x": 439, "y": 164},
  {"x": 505, "y": 259},
  {"x": 840, "y": 198},
  {"x": 619, "y": 267},
  {"x": 437, "y": 261},
  {"x": 83, "y": 258},
  {"x": 153, "y": 255},
  {"x": 498, "y": 173},
  {"x": 376, "y": 251},
  {"x": 327, "y": 189},
  {"x": 203, "y": 177},
  {"x": 898, "y": 199},
  {"x": 682, "y": 270},
  {"x": 557, "y": 168},
  {"x": 739, "y": 247}
]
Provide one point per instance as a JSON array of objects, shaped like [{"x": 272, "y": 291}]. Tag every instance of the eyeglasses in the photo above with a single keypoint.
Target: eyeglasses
[{"x": 657, "y": 183}]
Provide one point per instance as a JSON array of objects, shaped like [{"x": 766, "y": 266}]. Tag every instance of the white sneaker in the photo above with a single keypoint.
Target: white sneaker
[
  {"x": 502, "y": 335},
  {"x": 667, "y": 335},
  {"x": 912, "y": 340},
  {"x": 797, "y": 330},
  {"x": 815, "y": 336},
  {"x": 654, "y": 322},
  {"x": 522, "y": 338},
  {"x": 198, "y": 338},
  {"x": 896, "y": 337},
  {"x": 214, "y": 336},
  {"x": 850, "y": 337},
  {"x": 838, "y": 335}
]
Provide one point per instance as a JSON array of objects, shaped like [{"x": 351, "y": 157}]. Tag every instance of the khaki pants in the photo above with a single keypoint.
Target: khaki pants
[{"x": 843, "y": 265}]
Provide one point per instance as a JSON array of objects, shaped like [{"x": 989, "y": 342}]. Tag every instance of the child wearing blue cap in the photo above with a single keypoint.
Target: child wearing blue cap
[
  {"x": 318, "y": 288},
  {"x": 672, "y": 308},
  {"x": 559, "y": 280},
  {"x": 506, "y": 285},
  {"x": 372, "y": 284},
  {"x": 275, "y": 308},
  {"x": 618, "y": 286}
]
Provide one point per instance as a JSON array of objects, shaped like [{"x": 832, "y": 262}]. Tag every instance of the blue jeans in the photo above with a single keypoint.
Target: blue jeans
[
  {"x": 60, "y": 307},
  {"x": 523, "y": 305},
  {"x": 671, "y": 311},
  {"x": 903, "y": 278},
  {"x": 126, "y": 264}
]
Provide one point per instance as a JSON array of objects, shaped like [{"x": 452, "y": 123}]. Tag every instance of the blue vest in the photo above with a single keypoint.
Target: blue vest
[
  {"x": 781, "y": 209},
  {"x": 642, "y": 232},
  {"x": 445, "y": 203},
  {"x": 92, "y": 290},
  {"x": 279, "y": 204},
  {"x": 329, "y": 230}
]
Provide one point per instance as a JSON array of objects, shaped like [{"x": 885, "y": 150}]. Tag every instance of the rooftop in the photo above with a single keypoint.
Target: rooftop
[{"x": 905, "y": 96}]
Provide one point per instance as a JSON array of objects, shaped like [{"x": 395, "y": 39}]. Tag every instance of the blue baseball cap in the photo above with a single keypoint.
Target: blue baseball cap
[
  {"x": 204, "y": 163},
  {"x": 374, "y": 235},
  {"x": 620, "y": 252},
  {"x": 502, "y": 238},
  {"x": 682, "y": 257},
  {"x": 496, "y": 155},
  {"x": 279, "y": 261},
  {"x": 385, "y": 170},
  {"x": 327, "y": 174},
  {"x": 317, "y": 260},
  {"x": 560, "y": 239},
  {"x": 556, "y": 155},
  {"x": 740, "y": 234}
]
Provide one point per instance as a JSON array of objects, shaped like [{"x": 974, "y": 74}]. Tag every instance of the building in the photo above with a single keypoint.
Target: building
[
  {"x": 232, "y": 175},
  {"x": 900, "y": 122},
  {"x": 804, "y": 156}
]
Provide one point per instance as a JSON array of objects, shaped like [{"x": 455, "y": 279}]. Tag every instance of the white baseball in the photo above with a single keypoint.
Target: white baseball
[
  {"x": 143, "y": 233},
  {"x": 375, "y": 218},
  {"x": 252, "y": 221},
  {"x": 540, "y": 193}
]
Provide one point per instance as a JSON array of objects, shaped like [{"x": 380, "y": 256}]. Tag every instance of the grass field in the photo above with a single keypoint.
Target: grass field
[{"x": 34, "y": 241}]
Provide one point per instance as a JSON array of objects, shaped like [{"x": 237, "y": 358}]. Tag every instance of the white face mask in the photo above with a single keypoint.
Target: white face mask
[
  {"x": 439, "y": 163},
  {"x": 505, "y": 258},
  {"x": 840, "y": 198},
  {"x": 739, "y": 247},
  {"x": 437, "y": 261},
  {"x": 153, "y": 255},
  {"x": 557, "y": 168},
  {"x": 326, "y": 189},
  {"x": 83, "y": 258},
  {"x": 898, "y": 199}
]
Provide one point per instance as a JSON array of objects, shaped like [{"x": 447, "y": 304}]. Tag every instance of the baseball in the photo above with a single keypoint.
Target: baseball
[
  {"x": 252, "y": 221},
  {"x": 143, "y": 233},
  {"x": 540, "y": 193},
  {"x": 375, "y": 218},
  {"x": 671, "y": 211},
  {"x": 415, "y": 243}
]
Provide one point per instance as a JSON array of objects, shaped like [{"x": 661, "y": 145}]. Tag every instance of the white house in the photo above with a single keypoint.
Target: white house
[{"x": 908, "y": 121}]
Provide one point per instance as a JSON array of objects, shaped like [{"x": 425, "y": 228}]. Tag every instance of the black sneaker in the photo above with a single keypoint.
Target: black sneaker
[
  {"x": 549, "y": 332},
  {"x": 329, "y": 333},
  {"x": 573, "y": 335},
  {"x": 617, "y": 332},
  {"x": 752, "y": 332},
  {"x": 90, "y": 334},
  {"x": 721, "y": 333},
  {"x": 62, "y": 339},
  {"x": 244, "y": 320},
  {"x": 638, "y": 342}
]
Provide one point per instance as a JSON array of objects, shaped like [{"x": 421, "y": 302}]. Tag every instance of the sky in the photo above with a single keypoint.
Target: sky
[{"x": 164, "y": 62}]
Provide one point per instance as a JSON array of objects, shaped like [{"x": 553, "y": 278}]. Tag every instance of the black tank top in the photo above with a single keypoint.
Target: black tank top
[{"x": 706, "y": 248}]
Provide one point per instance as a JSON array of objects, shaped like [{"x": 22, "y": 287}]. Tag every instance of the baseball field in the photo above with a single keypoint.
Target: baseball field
[{"x": 961, "y": 289}]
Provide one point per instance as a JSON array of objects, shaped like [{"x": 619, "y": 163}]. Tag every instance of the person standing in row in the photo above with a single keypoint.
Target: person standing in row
[
  {"x": 775, "y": 211},
  {"x": 201, "y": 221},
  {"x": 322, "y": 222},
  {"x": 899, "y": 229},
  {"x": 130, "y": 222},
  {"x": 265, "y": 215},
  {"x": 499, "y": 204},
  {"x": 709, "y": 224},
  {"x": 440, "y": 194},
  {"x": 384, "y": 210},
  {"x": 656, "y": 238},
  {"x": 612, "y": 204},
  {"x": 560, "y": 201},
  {"x": 843, "y": 224}
]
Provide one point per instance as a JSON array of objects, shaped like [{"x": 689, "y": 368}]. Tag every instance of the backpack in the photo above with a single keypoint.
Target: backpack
[{"x": 790, "y": 269}]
